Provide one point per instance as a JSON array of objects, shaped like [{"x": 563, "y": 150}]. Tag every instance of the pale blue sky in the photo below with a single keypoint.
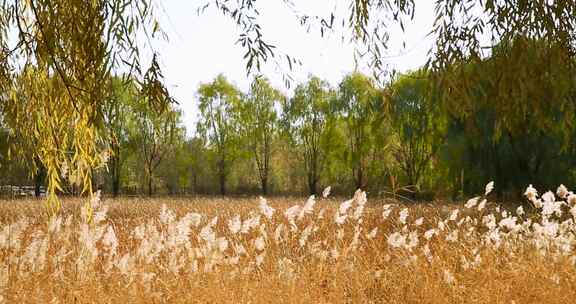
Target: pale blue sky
[{"x": 201, "y": 47}]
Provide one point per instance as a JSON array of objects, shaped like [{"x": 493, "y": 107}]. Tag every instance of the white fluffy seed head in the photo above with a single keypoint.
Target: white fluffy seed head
[
  {"x": 454, "y": 214},
  {"x": 372, "y": 233},
  {"x": 471, "y": 203},
  {"x": 448, "y": 277},
  {"x": 562, "y": 192},
  {"x": 419, "y": 221},
  {"x": 326, "y": 192},
  {"x": 308, "y": 207},
  {"x": 265, "y": 209},
  {"x": 571, "y": 199},
  {"x": 482, "y": 205},
  {"x": 489, "y": 188},
  {"x": 166, "y": 215},
  {"x": 235, "y": 224},
  {"x": 345, "y": 206},
  {"x": 403, "y": 216},
  {"x": 396, "y": 240},
  {"x": 259, "y": 243},
  {"x": 531, "y": 193}
]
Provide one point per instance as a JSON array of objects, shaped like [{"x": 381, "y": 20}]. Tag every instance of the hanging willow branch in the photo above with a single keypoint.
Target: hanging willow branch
[{"x": 55, "y": 78}]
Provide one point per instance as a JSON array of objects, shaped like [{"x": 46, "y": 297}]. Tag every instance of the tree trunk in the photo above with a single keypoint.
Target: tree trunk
[
  {"x": 149, "y": 183},
  {"x": 222, "y": 174},
  {"x": 312, "y": 185},
  {"x": 115, "y": 161},
  {"x": 194, "y": 183},
  {"x": 412, "y": 185},
  {"x": 39, "y": 180},
  {"x": 359, "y": 178},
  {"x": 222, "y": 183},
  {"x": 115, "y": 185},
  {"x": 264, "y": 182}
]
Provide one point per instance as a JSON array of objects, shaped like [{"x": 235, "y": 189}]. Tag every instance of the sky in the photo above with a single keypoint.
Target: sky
[{"x": 202, "y": 46}]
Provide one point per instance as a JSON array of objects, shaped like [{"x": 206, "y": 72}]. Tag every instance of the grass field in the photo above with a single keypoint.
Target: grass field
[{"x": 287, "y": 250}]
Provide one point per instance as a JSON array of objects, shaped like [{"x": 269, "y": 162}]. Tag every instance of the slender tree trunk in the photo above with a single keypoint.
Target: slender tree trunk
[
  {"x": 313, "y": 174},
  {"x": 115, "y": 184},
  {"x": 115, "y": 176},
  {"x": 39, "y": 180},
  {"x": 264, "y": 182},
  {"x": 359, "y": 178},
  {"x": 222, "y": 183},
  {"x": 222, "y": 175},
  {"x": 411, "y": 179},
  {"x": 115, "y": 159},
  {"x": 194, "y": 182},
  {"x": 149, "y": 182},
  {"x": 312, "y": 185}
]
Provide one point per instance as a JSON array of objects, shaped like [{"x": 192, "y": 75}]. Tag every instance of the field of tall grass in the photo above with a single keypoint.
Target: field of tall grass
[{"x": 316, "y": 250}]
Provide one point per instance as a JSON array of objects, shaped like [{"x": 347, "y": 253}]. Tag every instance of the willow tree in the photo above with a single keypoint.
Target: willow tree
[
  {"x": 118, "y": 112},
  {"x": 516, "y": 132},
  {"x": 259, "y": 125},
  {"x": 218, "y": 125},
  {"x": 531, "y": 48},
  {"x": 58, "y": 55},
  {"x": 155, "y": 136},
  {"x": 359, "y": 105},
  {"x": 417, "y": 122},
  {"x": 307, "y": 121}
]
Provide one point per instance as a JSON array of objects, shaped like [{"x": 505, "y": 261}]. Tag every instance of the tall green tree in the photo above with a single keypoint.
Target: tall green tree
[
  {"x": 118, "y": 111},
  {"x": 155, "y": 135},
  {"x": 359, "y": 106},
  {"x": 197, "y": 158},
  {"x": 418, "y": 122},
  {"x": 259, "y": 125},
  {"x": 307, "y": 119},
  {"x": 219, "y": 101}
]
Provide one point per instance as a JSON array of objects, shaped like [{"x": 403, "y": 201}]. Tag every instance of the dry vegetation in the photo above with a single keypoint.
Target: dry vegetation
[{"x": 316, "y": 251}]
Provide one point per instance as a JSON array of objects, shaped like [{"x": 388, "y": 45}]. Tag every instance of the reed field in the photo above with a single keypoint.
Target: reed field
[{"x": 289, "y": 250}]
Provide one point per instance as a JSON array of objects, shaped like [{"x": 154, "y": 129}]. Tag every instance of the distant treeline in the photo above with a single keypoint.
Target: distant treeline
[{"x": 405, "y": 137}]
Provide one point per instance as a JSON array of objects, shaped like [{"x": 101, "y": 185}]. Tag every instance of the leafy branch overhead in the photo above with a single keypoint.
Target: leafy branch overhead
[{"x": 465, "y": 31}]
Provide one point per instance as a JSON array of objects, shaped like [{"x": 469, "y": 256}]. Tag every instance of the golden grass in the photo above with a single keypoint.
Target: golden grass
[{"x": 370, "y": 271}]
